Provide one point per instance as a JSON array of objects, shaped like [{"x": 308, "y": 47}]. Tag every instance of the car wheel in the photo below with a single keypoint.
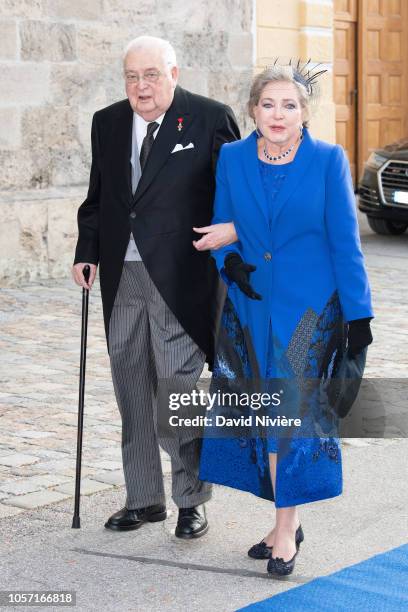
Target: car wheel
[{"x": 386, "y": 227}]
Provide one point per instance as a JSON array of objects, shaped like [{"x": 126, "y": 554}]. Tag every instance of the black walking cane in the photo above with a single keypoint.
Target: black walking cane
[{"x": 76, "y": 523}]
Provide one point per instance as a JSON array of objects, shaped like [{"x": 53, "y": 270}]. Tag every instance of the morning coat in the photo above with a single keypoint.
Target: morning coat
[{"x": 175, "y": 193}]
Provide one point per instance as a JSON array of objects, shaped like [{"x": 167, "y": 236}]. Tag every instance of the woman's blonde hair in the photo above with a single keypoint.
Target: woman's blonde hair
[{"x": 276, "y": 74}]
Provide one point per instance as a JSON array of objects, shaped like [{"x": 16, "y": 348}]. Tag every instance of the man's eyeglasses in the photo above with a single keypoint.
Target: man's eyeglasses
[{"x": 151, "y": 76}]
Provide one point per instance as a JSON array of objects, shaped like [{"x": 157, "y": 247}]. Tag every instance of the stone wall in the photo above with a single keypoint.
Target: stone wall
[{"x": 60, "y": 60}]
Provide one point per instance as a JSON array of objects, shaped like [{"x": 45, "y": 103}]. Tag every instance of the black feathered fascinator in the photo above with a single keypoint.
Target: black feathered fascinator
[{"x": 306, "y": 74}]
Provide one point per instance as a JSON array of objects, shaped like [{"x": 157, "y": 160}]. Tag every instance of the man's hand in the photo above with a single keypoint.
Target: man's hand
[
  {"x": 78, "y": 275},
  {"x": 216, "y": 236}
]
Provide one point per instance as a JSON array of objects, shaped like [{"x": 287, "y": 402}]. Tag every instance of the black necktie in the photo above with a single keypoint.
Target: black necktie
[{"x": 147, "y": 144}]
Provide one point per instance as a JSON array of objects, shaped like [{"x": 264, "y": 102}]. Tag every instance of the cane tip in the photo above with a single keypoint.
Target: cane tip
[{"x": 76, "y": 522}]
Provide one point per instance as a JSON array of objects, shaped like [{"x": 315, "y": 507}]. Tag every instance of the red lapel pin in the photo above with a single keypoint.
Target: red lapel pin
[{"x": 180, "y": 124}]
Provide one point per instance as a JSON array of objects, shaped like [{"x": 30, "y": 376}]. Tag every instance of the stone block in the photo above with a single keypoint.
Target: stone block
[
  {"x": 229, "y": 15},
  {"x": 74, "y": 9},
  {"x": 194, "y": 80},
  {"x": 57, "y": 466},
  {"x": 6, "y": 511},
  {"x": 27, "y": 433},
  {"x": 54, "y": 42},
  {"x": 50, "y": 454},
  {"x": 113, "y": 83},
  {"x": 70, "y": 167},
  {"x": 88, "y": 486},
  {"x": 317, "y": 45},
  {"x": 79, "y": 84},
  {"x": 17, "y": 459},
  {"x": 233, "y": 89},
  {"x": 23, "y": 248},
  {"x": 204, "y": 49},
  {"x": 316, "y": 14},
  {"x": 9, "y": 239},
  {"x": 27, "y": 9},
  {"x": 32, "y": 218},
  {"x": 28, "y": 169},
  {"x": 24, "y": 83},
  {"x": 62, "y": 234},
  {"x": 272, "y": 43},
  {"x": 239, "y": 51},
  {"x": 100, "y": 43},
  {"x": 113, "y": 478},
  {"x": 71, "y": 472},
  {"x": 84, "y": 123},
  {"x": 143, "y": 15},
  {"x": 106, "y": 465},
  {"x": 323, "y": 121},
  {"x": 25, "y": 471},
  {"x": 278, "y": 14},
  {"x": 36, "y": 500},
  {"x": 10, "y": 132},
  {"x": 50, "y": 126},
  {"x": 111, "y": 452},
  {"x": 49, "y": 480},
  {"x": 18, "y": 487},
  {"x": 8, "y": 37},
  {"x": 191, "y": 16},
  {"x": 51, "y": 141}
]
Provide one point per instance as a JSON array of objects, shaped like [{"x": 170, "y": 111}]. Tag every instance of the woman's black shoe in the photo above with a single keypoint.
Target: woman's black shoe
[
  {"x": 279, "y": 567},
  {"x": 299, "y": 537},
  {"x": 262, "y": 551}
]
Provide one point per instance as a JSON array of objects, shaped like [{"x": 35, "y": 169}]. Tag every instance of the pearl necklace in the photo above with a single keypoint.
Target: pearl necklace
[{"x": 282, "y": 155}]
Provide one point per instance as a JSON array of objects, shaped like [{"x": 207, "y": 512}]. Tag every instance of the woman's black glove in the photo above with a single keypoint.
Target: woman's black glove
[
  {"x": 238, "y": 271},
  {"x": 359, "y": 336}
]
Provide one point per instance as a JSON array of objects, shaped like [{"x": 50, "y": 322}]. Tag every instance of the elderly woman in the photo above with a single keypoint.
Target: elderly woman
[{"x": 297, "y": 294}]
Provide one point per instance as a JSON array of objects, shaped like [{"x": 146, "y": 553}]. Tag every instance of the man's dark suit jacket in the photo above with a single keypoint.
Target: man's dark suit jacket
[{"x": 175, "y": 193}]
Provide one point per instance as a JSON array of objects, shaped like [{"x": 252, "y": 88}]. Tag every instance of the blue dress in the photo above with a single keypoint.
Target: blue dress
[
  {"x": 302, "y": 235},
  {"x": 273, "y": 177}
]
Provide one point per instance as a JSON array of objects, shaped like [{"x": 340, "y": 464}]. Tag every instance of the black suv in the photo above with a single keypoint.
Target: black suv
[{"x": 383, "y": 189}]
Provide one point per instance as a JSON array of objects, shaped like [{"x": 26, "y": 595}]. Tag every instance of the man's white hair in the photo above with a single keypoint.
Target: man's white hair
[{"x": 154, "y": 43}]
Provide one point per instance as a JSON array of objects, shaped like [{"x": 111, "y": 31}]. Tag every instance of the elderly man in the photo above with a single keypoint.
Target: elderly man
[{"x": 151, "y": 183}]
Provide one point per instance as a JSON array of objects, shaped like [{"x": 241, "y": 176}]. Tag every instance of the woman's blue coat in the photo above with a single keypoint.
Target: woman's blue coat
[{"x": 310, "y": 273}]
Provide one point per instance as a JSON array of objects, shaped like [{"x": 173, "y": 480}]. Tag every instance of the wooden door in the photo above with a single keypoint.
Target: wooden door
[
  {"x": 345, "y": 77},
  {"x": 383, "y": 74}
]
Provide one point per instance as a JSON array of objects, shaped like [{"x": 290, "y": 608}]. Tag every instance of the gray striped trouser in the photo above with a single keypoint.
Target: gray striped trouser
[{"x": 147, "y": 344}]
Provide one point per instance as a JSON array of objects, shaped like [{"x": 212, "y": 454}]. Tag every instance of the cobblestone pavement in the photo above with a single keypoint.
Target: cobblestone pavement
[{"x": 39, "y": 342}]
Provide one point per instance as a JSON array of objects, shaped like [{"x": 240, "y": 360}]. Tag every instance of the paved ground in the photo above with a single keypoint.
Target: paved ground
[
  {"x": 39, "y": 342},
  {"x": 150, "y": 570}
]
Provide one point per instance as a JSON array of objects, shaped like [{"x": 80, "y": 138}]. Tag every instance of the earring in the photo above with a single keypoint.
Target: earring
[{"x": 258, "y": 131}]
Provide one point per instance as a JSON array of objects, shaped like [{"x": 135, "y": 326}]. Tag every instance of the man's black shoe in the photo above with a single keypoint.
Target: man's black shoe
[
  {"x": 192, "y": 522},
  {"x": 125, "y": 519}
]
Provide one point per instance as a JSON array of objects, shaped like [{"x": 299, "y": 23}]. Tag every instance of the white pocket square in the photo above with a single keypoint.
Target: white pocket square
[{"x": 179, "y": 147}]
